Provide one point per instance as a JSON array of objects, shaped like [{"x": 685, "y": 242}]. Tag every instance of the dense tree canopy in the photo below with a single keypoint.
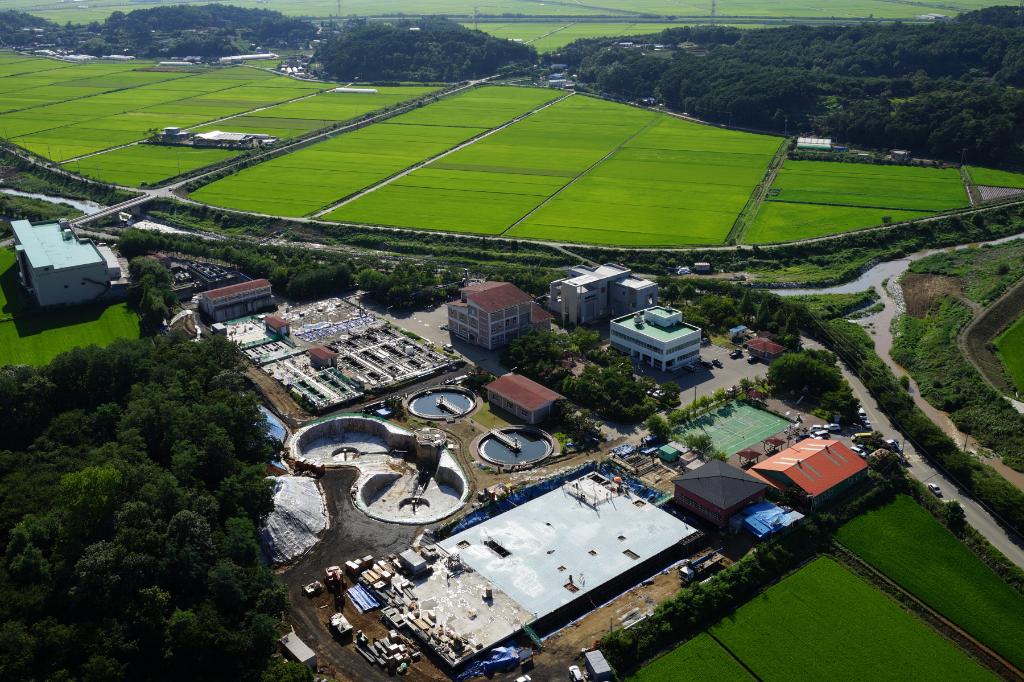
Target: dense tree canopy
[
  {"x": 131, "y": 488},
  {"x": 428, "y": 50},
  {"x": 936, "y": 89}
]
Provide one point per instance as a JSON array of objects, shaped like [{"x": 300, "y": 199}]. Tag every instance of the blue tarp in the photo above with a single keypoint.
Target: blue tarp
[
  {"x": 765, "y": 519},
  {"x": 624, "y": 450},
  {"x": 363, "y": 599},
  {"x": 274, "y": 427},
  {"x": 500, "y": 659}
]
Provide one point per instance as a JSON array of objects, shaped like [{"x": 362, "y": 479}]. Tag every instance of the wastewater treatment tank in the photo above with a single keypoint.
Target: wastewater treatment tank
[
  {"x": 515, "y": 446},
  {"x": 442, "y": 402}
]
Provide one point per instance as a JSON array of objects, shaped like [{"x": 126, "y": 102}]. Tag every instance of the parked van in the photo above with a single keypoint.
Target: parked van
[{"x": 862, "y": 437}]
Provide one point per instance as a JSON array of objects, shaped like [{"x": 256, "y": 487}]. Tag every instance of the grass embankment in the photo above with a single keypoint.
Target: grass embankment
[
  {"x": 34, "y": 337},
  {"x": 1010, "y": 349},
  {"x": 906, "y": 543}
]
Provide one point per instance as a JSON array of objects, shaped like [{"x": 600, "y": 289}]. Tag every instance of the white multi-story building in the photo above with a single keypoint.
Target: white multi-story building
[
  {"x": 589, "y": 294},
  {"x": 657, "y": 337}
]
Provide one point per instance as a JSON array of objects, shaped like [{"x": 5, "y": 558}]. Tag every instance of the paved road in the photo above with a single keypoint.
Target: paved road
[{"x": 920, "y": 469}]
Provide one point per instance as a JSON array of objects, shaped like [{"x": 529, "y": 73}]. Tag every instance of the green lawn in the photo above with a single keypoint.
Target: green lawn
[
  {"x": 699, "y": 660},
  {"x": 35, "y": 337},
  {"x": 1010, "y": 349},
  {"x": 816, "y": 198},
  {"x": 995, "y": 178},
  {"x": 824, "y": 623},
  {"x": 903, "y": 541}
]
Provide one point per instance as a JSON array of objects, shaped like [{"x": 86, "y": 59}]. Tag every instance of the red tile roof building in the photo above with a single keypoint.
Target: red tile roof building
[
  {"x": 766, "y": 349},
  {"x": 822, "y": 469},
  {"x": 237, "y": 300},
  {"x": 491, "y": 314},
  {"x": 276, "y": 325},
  {"x": 523, "y": 397},
  {"x": 321, "y": 357}
]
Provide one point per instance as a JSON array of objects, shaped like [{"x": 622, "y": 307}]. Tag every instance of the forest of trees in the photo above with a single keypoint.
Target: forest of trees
[
  {"x": 940, "y": 90},
  {"x": 428, "y": 50},
  {"x": 207, "y": 31},
  {"x": 131, "y": 487}
]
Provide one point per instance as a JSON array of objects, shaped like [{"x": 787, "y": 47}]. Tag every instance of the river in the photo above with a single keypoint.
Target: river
[{"x": 83, "y": 205}]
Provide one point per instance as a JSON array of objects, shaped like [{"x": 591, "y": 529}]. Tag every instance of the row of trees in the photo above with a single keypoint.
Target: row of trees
[
  {"x": 131, "y": 487},
  {"x": 937, "y": 89},
  {"x": 432, "y": 49}
]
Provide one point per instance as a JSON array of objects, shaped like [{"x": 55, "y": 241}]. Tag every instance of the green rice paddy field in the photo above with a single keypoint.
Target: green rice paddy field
[
  {"x": 150, "y": 164},
  {"x": 1010, "y": 349},
  {"x": 583, "y": 170},
  {"x": 903, "y": 541},
  {"x": 322, "y": 174},
  {"x": 34, "y": 338},
  {"x": 551, "y": 35},
  {"x": 995, "y": 178},
  {"x": 817, "y": 198},
  {"x": 820, "y": 623}
]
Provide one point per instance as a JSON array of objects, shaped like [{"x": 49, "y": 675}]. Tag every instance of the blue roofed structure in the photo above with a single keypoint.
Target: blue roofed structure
[{"x": 765, "y": 519}]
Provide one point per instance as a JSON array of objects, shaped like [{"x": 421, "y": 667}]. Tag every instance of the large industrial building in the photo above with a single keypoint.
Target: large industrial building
[
  {"x": 59, "y": 268},
  {"x": 237, "y": 300},
  {"x": 491, "y": 314},
  {"x": 657, "y": 337},
  {"x": 589, "y": 294},
  {"x": 543, "y": 563}
]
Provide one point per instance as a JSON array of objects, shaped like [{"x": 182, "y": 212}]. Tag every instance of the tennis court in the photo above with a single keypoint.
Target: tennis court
[{"x": 736, "y": 426}]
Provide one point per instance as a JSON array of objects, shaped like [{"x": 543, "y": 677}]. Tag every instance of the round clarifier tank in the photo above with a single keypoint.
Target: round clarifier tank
[
  {"x": 515, "y": 446},
  {"x": 442, "y": 402}
]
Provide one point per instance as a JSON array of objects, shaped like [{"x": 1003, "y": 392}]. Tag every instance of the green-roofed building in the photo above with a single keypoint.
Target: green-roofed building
[
  {"x": 657, "y": 337},
  {"x": 59, "y": 268}
]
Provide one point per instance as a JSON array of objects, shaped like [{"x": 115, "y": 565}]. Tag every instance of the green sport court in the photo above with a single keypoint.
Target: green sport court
[{"x": 736, "y": 426}]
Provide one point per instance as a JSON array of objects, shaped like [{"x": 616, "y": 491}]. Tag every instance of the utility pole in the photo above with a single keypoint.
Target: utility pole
[
  {"x": 714, "y": 10},
  {"x": 476, "y": 17}
]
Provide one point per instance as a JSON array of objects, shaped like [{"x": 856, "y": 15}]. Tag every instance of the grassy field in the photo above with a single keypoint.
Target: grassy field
[
  {"x": 903, "y": 541},
  {"x": 995, "y": 178},
  {"x": 582, "y": 170},
  {"x": 698, "y": 660},
  {"x": 98, "y": 9},
  {"x": 34, "y": 338},
  {"x": 319, "y": 175},
  {"x": 150, "y": 164},
  {"x": 551, "y": 35},
  {"x": 68, "y": 111},
  {"x": 825, "y": 623},
  {"x": 1010, "y": 349},
  {"x": 816, "y": 198}
]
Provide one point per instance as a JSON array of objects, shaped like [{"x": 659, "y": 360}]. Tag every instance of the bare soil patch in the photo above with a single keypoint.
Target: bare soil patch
[{"x": 921, "y": 291}]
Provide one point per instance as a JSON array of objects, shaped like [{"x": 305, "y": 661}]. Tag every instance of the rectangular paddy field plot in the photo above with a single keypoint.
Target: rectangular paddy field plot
[
  {"x": 582, "y": 170},
  {"x": 698, "y": 660},
  {"x": 824, "y": 623},
  {"x": 152, "y": 163},
  {"x": 1010, "y": 349},
  {"x": 315, "y": 177},
  {"x": 816, "y": 198},
  {"x": 904, "y": 542}
]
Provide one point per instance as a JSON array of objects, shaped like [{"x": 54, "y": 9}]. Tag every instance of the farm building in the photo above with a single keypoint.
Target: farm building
[
  {"x": 716, "y": 491},
  {"x": 228, "y": 140},
  {"x": 236, "y": 300},
  {"x": 592, "y": 293},
  {"x": 59, "y": 268},
  {"x": 523, "y": 397},
  {"x": 543, "y": 563},
  {"x": 491, "y": 314},
  {"x": 765, "y": 349},
  {"x": 657, "y": 337},
  {"x": 823, "y": 144},
  {"x": 821, "y": 469}
]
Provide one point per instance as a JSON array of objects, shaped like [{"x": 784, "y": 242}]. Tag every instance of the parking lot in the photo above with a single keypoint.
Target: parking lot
[{"x": 704, "y": 380}]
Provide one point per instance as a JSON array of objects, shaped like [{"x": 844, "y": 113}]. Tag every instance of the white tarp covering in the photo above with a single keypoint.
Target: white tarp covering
[{"x": 298, "y": 518}]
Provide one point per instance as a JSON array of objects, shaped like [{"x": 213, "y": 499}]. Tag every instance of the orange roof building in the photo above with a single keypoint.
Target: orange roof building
[{"x": 822, "y": 469}]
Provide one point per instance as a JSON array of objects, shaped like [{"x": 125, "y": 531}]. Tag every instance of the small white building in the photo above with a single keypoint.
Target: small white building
[
  {"x": 823, "y": 144},
  {"x": 657, "y": 337}
]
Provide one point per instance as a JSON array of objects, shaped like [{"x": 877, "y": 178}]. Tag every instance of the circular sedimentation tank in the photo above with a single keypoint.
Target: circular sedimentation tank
[
  {"x": 515, "y": 446},
  {"x": 442, "y": 402}
]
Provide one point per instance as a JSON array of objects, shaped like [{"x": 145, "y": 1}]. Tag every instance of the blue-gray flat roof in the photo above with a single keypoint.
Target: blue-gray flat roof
[{"x": 46, "y": 245}]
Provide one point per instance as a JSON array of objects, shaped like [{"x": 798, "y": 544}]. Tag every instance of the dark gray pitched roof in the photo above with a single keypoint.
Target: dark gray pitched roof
[{"x": 720, "y": 484}]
